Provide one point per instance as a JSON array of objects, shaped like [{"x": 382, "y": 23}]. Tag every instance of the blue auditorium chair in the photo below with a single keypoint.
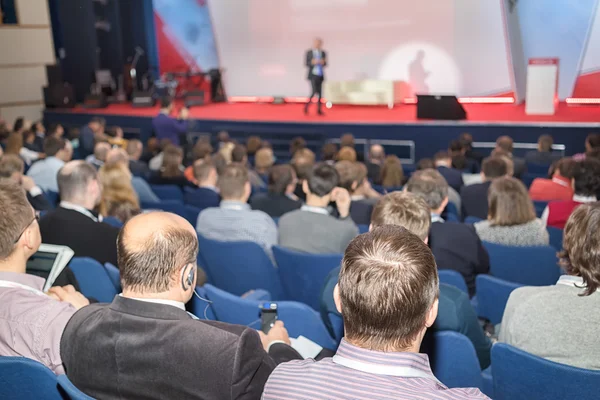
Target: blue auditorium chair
[
  {"x": 93, "y": 279},
  {"x": 528, "y": 178},
  {"x": 534, "y": 266},
  {"x": 113, "y": 221},
  {"x": 539, "y": 206},
  {"x": 114, "y": 275},
  {"x": 408, "y": 169},
  {"x": 201, "y": 307},
  {"x": 451, "y": 213},
  {"x": 453, "y": 278},
  {"x": 71, "y": 390},
  {"x": 238, "y": 267},
  {"x": 519, "y": 375},
  {"x": 540, "y": 170},
  {"x": 379, "y": 189},
  {"x": 363, "y": 228},
  {"x": 556, "y": 237},
  {"x": 171, "y": 206},
  {"x": 192, "y": 214},
  {"x": 196, "y": 198},
  {"x": 337, "y": 324},
  {"x": 52, "y": 198},
  {"x": 168, "y": 192},
  {"x": 471, "y": 220},
  {"x": 303, "y": 275},
  {"x": 492, "y": 296},
  {"x": 25, "y": 379},
  {"x": 299, "y": 319}
]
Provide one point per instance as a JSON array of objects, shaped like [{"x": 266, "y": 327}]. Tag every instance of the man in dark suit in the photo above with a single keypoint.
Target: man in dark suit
[
  {"x": 207, "y": 194},
  {"x": 505, "y": 144},
  {"x": 73, "y": 223},
  {"x": 443, "y": 163},
  {"x": 144, "y": 345},
  {"x": 316, "y": 60},
  {"x": 455, "y": 245},
  {"x": 375, "y": 163},
  {"x": 280, "y": 199},
  {"x": 475, "y": 197},
  {"x": 543, "y": 155},
  {"x": 137, "y": 167}
]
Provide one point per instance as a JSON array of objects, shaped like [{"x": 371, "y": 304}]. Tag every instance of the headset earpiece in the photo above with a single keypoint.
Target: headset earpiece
[{"x": 188, "y": 280}]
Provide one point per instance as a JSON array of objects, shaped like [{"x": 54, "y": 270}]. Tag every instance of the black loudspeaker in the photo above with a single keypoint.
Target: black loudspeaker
[
  {"x": 194, "y": 98},
  {"x": 95, "y": 101},
  {"x": 59, "y": 96},
  {"x": 439, "y": 107},
  {"x": 142, "y": 99},
  {"x": 54, "y": 74}
]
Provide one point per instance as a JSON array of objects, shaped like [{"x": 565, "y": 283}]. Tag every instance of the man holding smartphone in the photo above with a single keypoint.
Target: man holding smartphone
[{"x": 316, "y": 61}]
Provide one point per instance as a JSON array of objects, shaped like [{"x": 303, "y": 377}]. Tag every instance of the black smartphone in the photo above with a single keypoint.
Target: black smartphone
[{"x": 268, "y": 316}]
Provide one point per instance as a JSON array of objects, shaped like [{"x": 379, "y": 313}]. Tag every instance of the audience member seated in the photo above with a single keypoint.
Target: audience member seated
[
  {"x": 98, "y": 159},
  {"x": 347, "y": 140},
  {"x": 297, "y": 143},
  {"x": 353, "y": 178},
  {"x": 425, "y": 163},
  {"x": 443, "y": 163},
  {"x": 455, "y": 246},
  {"x": 592, "y": 143},
  {"x": 165, "y": 345},
  {"x": 586, "y": 188},
  {"x": 303, "y": 162},
  {"x": 560, "y": 322},
  {"x": 511, "y": 218},
  {"x": 505, "y": 143},
  {"x": 11, "y": 168},
  {"x": 167, "y": 127},
  {"x": 388, "y": 297},
  {"x": 392, "y": 174},
  {"x": 55, "y": 130},
  {"x": 14, "y": 146},
  {"x": 73, "y": 223},
  {"x": 475, "y": 197},
  {"x": 32, "y": 321},
  {"x": 312, "y": 229},
  {"x": 155, "y": 162},
  {"x": 346, "y": 154},
  {"x": 171, "y": 171},
  {"x": 375, "y": 163},
  {"x": 280, "y": 199},
  {"x": 21, "y": 125},
  {"x": 202, "y": 151},
  {"x": 263, "y": 161},
  {"x": 510, "y": 165},
  {"x": 137, "y": 167},
  {"x": 455, "y": 310},
  {"x": 207, "y": 193},
  {"x": 58, "y": 151},
  {"x": 118, "y": 200},
  {"x": 151, "y": 150},
  {"x": 39, "y": 131},
  {"x": 459, "y": 159},
  {"x": 253, "y": 144},
  {"x": 329, "y": 153},
  {"x": 140, "y": 186},
  {"x": 90, "y": 134},
  {"x": 240, "y": 155},
  {"x": 559, "y": 187},
  {"x": 543, "y": 155},
  {"x": 467, "y": 141},
  {"x": 234, "y": 220},
  {"x": 222, "y": 139}
]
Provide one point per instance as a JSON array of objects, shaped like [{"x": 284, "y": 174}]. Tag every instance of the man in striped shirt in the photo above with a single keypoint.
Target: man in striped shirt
[{"x": 388, "y": 296}]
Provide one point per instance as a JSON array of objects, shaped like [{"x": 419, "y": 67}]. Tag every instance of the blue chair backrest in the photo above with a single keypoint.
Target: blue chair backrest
[
  {"x": 276, "y": 220},
  {"x": 72, "y": 392},
  {"x": 52, "y": 197},
  {"x": 93, "y": 279},
  {"x": 337, "y": 323},
  {"x": 539, "y": 206},
  {"x": 379, "y": 189},
  {"x": 112, "y": 221},
  {"x": 535, "y": 266},
  {"x": 25, "y": 379},
  {"x": 451, "y": 213},
  {"x": 492, "y": 295},
  {"x": 538, "y": 169},
  {"x": 303, "y": 275},
  {"x": 363, "y": 228},
  {"x": 471, "y": 220},
  {"x": 191, "y": 214},
  {"x": 201, "y": 308},
  {"x": 168, "y": 192},
  {"x": 114, "y": 275},
  {"x": 519, "y": 375},
  {"x": 238, "y": 267},
  {"x": 453, "y": 278},
  {"x": 556, "y": 237},
  {"x": 199, "y": 200},
  {"x": 453, "y": 359},
  {"x": 409, "y": 169},
  {"x": 299, "y": 319},
  {"x": 528, "y": 178},
  {"x": 171, "y": 206}
]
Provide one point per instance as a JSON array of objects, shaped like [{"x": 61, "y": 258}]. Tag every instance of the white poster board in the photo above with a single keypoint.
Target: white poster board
[{"x": 542, "y": 86}]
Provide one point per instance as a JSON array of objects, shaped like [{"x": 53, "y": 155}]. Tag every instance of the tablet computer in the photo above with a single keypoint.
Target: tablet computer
[{"x": 48, "y": 262}]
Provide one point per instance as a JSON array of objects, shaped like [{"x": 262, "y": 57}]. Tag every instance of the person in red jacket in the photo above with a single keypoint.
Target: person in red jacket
[
  {"x": 586, "y": 187},
  {"x": 559, "y": 187}
]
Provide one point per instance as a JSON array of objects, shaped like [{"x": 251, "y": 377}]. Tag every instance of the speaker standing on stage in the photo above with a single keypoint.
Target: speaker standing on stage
[{"x": 316, "y": 61}]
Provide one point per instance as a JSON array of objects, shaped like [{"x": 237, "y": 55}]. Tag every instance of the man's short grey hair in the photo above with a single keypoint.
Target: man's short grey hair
[
  {"x": 73, "y": 179},
  {"x": 430, "y": 185}
]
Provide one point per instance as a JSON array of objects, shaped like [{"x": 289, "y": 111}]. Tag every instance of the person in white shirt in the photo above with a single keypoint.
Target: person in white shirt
[{"x": 58, "y": 151}]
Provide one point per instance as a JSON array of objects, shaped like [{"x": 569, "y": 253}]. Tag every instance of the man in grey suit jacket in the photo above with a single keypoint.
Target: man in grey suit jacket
[
  {"x": 144, "y": 345},
  {"x": 316, "y": 61}
]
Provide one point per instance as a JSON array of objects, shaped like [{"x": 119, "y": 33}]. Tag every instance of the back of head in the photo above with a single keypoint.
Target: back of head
[
  {"x": 165, "y": 102},
  {"x": 587, "y": 178},
  {"x": 505, "y": 143},
  {"x": 150, "y": 260},
  {"x": 101, "y": 149},
  {"x": 239, "y": 153},
  {"x": 280, "y": 177},
  {"x": 232, "y": 181},
  {"x": 348, "y": 172},
  {"x": 403, "y": 209},
  {"x": 329, "y": 152},
  {"x": 253, "y": 144},
  {"x": 171, "y": 163},
  {"x": 467, "y": 140},
  {"x": 53, "y": 145},
  {"x": 202, "y": 170},
  {"x": 392, "y": 173},
  {"x": 323, "y": 179},
  {"x": 14, "y": 143},
  {"x": 545, "y": 143},
  {"x": 15, "y": 214},
  {"x": 593, "y": 140},
  {"x": 303, "y": 162},
  {"x": 116, "y": 185},
  {"x": 297, "y": 143},
  {"x": 219, "y": 162},
  {"x": 264, "y": 159},
  {"x": 425, "y": 163},
  {"x": 442, "y": 158},
  {"x": 117, "y": 156},
  {"x": 494, "y": 167},
  {"x": 566, "y": 167},
  {"x": 581, "y": 249},
  {"x": 9, "y": 165},
  {"x": 346, "y": 154},
  {"x": 509, "y": 203},
  {"x": 376, "y": 153},
  {"x": 73, "y": 179},
  {"x": 455, "y": 147},
  {"x": 347, "y": 140},
  {"x": 19, "y": 124},
  {"x": 430, "y": 185},
  {"x": 510, "y": 165},
  {"x": 134, "y": 148},
  {"x": 388, "y": 283},
  {"x": 202, "y": 150},
  {"x": 226, "y": 150}
]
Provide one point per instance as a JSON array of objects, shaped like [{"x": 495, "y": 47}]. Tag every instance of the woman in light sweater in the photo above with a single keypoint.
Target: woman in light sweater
[{"x": 511, "y": 216}]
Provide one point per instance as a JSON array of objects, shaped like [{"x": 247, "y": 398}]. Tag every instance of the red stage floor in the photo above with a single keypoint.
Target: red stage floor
[{"x": 401, "y": 114}]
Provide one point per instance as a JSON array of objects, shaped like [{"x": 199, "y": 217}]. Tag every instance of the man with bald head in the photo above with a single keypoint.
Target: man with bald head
[
  {"x": 376, "y": 158},
  {"x": 144, "y": 345},
  {"x": 74, "y": 223},
  {"x": 98, "y": 158}
]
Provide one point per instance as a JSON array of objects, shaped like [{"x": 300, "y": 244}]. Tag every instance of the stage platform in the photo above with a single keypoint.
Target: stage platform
[{"x": 485, "y": 122}]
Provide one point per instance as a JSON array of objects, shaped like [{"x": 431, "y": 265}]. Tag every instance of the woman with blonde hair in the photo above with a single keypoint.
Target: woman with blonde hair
[
  {"x": 392, "y": 174},
  {"x": 511, "y": 217},
  {"x": 14, "y": 145},
  {"x": 171, "y": 171},
  {"x": 119, "y": 199}
]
